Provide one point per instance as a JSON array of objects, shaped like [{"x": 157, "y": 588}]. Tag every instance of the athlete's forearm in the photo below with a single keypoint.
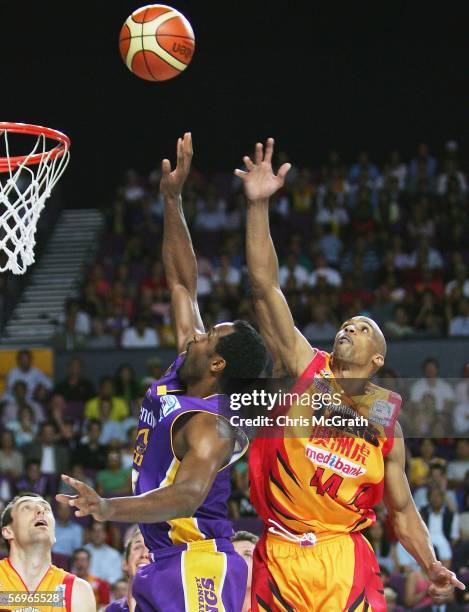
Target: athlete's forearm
[
  {"x": 260, "y": 251},
  {"x": 178, "y": 253},
  {"x": 174, "y": 501},
  {"x": 413, "y": 534}
]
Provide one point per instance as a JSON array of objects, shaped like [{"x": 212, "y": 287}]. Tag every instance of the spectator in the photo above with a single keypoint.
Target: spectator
[
  {"x": 140, "y": 335},
  {"x": 461, "y": 410},
  {"x": 81, "y": 562},
  {"x": 52, "y": 457},
  {"x": 380, "y": 544},
  {"x": 443, "y": 525},
  {"x": 420, "y": 465},
  {"x": 459, "y": 324},
  {"x": 99, "y": 338},
  {"x": 11, "y": 460},
  {"x": 125, "y": 383},
  {"x": 390, "y": 597},
  {"x": 19, "y": 400},
  {"x": 76, "y": 471},
  {"x": 68, "y": 535},
  {"x": 112, "y": 432},
  {"x": 293, "y": 272},
  {"x": 433, "y": 384},
  {"x": 119, "y": 592},
  {"x": 105, "y": 560},
  {"x": 416, "y": 586},
  {"x": 460, "y": 465},
  {"x": 119, "y": 409},
  {"x": 322, "y": 270},
  {"x": 437, "y": 476},
  {"x": 91, "y": 453},
  {"x": 244, "y": 544},
  {"x": 460, "y": 282},
  {"x": 114, "y": 480},
  {"x": 399, "y": 327},
  {"x": 422, "y": 162},
  {"x": 32, "y": 480},
  {"x": 31, "y": 376},
  {"x": 24, "y": 429},
  {"x": 74, "y": 387},
  {"x": 154, "y": 371},
  {"x": 226, "y": 273},
  {"x": 321, "y": 327}
]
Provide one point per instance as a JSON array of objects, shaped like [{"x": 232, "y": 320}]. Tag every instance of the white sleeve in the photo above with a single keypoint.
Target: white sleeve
[{"x": 455, "y": 527}]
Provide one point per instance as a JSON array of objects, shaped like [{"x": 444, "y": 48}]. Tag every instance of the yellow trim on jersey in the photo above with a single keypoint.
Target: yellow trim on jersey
[
  {"x": 203, "y": 575},
  {"x": 184, "y": 530}
]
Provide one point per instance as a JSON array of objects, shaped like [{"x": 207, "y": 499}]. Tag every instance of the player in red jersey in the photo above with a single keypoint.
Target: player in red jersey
[{"x": 316, "y": 491}]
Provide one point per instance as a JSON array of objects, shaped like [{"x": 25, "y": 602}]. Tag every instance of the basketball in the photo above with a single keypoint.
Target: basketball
[{"x": 156, "y": 42}]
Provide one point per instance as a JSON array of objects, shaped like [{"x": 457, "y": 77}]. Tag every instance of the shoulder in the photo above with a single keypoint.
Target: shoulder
[{"x": 82, "y": 595}]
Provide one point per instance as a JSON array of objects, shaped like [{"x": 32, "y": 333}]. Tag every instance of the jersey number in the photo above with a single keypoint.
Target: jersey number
[{"x": 330, "y": 486}]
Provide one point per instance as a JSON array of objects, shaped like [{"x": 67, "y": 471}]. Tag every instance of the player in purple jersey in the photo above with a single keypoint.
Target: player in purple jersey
[
  {"x": 136, "y": 556},
  {"x": 185, "y": 442}
]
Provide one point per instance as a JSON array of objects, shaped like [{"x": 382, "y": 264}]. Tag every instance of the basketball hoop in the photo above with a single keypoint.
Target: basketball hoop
[{"x": 26, "y": 181}]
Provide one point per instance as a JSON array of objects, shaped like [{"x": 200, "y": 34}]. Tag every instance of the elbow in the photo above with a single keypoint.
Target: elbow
[{"x": 191, "y": 498}]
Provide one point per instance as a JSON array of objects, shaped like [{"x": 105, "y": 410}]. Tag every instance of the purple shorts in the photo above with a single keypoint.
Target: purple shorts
[{"x": 203, "y": 576}]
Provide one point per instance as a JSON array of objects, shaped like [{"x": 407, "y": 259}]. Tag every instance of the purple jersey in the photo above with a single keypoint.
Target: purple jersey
[
  {"x": 155, "y": 465},
  {"x": 118, "y": 605}
]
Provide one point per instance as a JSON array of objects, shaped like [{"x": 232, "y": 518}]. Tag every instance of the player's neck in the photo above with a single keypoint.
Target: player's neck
[
  {"x": 352, "y": 378},
  {"x": 31, "y": 563},
  {"x": 202, "y": 389},
  {"x": 130, "y": 600}
]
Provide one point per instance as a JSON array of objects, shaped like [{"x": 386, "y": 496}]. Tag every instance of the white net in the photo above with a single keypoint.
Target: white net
[{"x": 23, "y": 191}]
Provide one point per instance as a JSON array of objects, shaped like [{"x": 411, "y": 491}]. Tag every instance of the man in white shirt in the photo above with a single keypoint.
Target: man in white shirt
[
  {"x": 69, "y": 535},
  {"x": 433, "y": 385},
  {"x": 25, "y": 371},
  {"x": 331, "y": 275},
  {"x": 140, "y": 336},
  {"x": 458, "y": 468},
  {"x": 105, "y": 560},
  {"x": 293, "y": 270},
  {"x": 438, "y": 477},
  {"x": 459, "y": 325}
]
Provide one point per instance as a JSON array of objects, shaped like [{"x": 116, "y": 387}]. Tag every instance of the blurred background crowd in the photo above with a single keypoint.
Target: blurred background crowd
[{"x": 388, "y": 241}]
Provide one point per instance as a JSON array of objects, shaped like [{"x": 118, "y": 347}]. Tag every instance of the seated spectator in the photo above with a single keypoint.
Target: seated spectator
[
  {"x": 437, "y": 476},
  {"x": 81, "y": 561},
  {"x": 240, "y": 504},
  {"x": 125, "y": 383},
  {"x": 464, "y": 519},
  {"x": 32, "y": 480},
  {"x": 322, "y": 327},
  {"x": 154, "y": 371},
  {"x": 211, "y": 216},
  {"x": 90, "y": 452},
  {"x": 99, "y": 338},
  {"x": 19, "y": 400},
  {"x": 52, "y": 457},
  {"x": 399, "y": 326},
  {"x": 420, "y": 465},
  {"x": 76, "y": 471},
  {"x": 127, "y": 453},
  {"x": 458, "y": 467},
  {"x": 78, "y": 320},
  {"x": 416, "y": 587},
  {"x": 363, "y": 165},
  {"x": 322, "y": 270},
  {"x": 74, "y": 387},
  {"x": 292, "y": 271},
  {"x": 119, "y": 592},
  {"x": 459, "y": 324},
  {"x": 244, "y": 543},
  {"x": 226, "y": 273},
  {"x": 24, "y": 429},
  {"x": 119, "y": 408},
  {"x": 380, "y": 544},
  {"x": 423, "y": 159},
  {"x": 68, "y": 535},
  {"x": 11, "y": 460},
  {"x": 65, "y": 425},
  {"x": 459, "y": 282},
  {"x": 443, "y": 525},
  {"x": 105, "y": 560},
  {"x": 329, "y": 244},
  {"x": 425, "y": 256},
  {"x": 114, "y": 480},
  {"x": 433, "y": 384},
  {"x": 331, "y": 214},
  {"x": 140, "y": 335},
  {"x": 31, "y": 376}
]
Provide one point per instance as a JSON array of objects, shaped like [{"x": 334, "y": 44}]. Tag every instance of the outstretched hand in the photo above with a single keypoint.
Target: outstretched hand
[
  {"x": 87, "y": 501},
  {"x": 259, "y": 180},
  {"x": 442, "y": 583},
  {"x": 172, "y": 181}
]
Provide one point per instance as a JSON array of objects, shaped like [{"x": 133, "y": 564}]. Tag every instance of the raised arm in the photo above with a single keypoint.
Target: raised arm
[
  {"x": 408, "y": 525},
  {"x": 178, "y": 254},
  {"x": 273, "y": 313},
  {"x": 205, "y": 444}
]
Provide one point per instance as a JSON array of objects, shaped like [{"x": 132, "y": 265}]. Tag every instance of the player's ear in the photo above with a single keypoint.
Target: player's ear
[
  {"x": 378, "y": 361},
  {"x": 217, "y": 365},
  {"x": 7, "y": 533},
  {"x": 125, "y": 566}
]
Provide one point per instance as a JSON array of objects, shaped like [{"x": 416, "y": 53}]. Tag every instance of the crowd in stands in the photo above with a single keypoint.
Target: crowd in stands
[
  {"x": 388, "y": 240},
  {"x": 51, "y": 427}
]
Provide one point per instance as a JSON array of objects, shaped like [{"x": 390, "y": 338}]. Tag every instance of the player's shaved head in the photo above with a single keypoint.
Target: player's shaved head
[{"x": 378, "y": 336}]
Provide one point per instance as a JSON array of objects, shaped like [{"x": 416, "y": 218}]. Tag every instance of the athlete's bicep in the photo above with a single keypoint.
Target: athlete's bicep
[
  {"x": 283, "y": 339},
  {"x": 185, "y": 315},
  {"x": 397, "y": 495},
  {"x": 205, "y": 446},
  {"x": 83, "y": 599}
]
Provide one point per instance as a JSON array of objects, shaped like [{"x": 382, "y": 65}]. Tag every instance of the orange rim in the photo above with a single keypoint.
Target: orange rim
[{"x": 11, "y": 163}]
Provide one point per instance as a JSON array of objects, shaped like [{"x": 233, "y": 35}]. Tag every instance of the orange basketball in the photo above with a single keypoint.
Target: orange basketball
[{"x": 156, "y": 42}]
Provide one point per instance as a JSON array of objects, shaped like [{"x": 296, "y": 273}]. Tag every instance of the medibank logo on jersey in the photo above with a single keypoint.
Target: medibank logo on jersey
[
  {"x": 207, "y": 598},
  {"x": 334, "y": 462}
]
